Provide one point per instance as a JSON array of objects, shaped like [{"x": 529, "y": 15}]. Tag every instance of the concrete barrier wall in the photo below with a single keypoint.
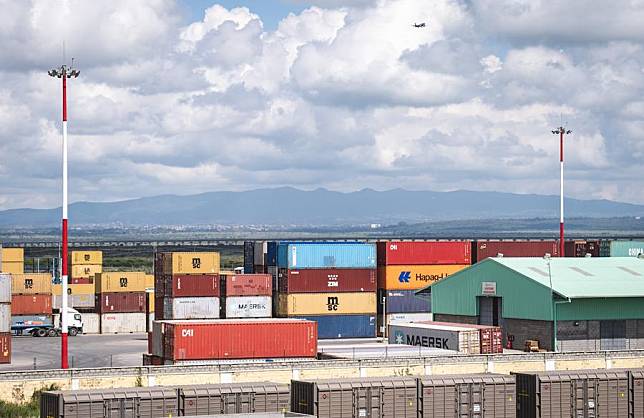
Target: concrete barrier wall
[{"x": 19, "y": 386}]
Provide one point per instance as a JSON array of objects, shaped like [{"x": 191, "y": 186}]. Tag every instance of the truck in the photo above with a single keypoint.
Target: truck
[{"x": 44, "y": 326}]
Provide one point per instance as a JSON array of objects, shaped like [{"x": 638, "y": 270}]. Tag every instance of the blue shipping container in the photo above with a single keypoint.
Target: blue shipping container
[
  {"x": 344, "y": 326},
  {"x": 271, "y": 253},
  {"x": 626, "y": 248},
  {"x": 403, "y": 301},
  {"x": 326, "y": 255}
]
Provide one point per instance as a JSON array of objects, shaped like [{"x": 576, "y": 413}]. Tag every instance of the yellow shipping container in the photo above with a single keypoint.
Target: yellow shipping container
[
  {"x": 13, "y": 255},
  {"x": 13, "y": 267},
  {"x": 192, "y": 263},
  {"x": 31, "y": 283},
  {"x": 149, "y": 281},
  {"x": 326, "y": 303},
  {"x": 414, "y": 277},
  {"x": 86, "y": 270},
  {"x": 151, "y": 303},
  {"x": 120, "y": 281},
  {"x": 74, "y": 289},
  {"x": 87, "y": 257}
]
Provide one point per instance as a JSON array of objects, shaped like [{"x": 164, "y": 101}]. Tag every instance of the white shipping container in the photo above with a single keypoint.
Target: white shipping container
[
  {"x": 462, "y": 339},
  {"x": 157, "y": 339},
  {"x": 403, "y": 317},
  {"x": 5, "y": 287},
  {"x": 91, "y": 323},
  {"x": 5, "y": 317},
  {"x": 150, "y": 321},
  {"x": 248, "y": 306},
  {"x": 261, "y": 247},
  {"x": 74, "y": 301},
  {"x": 122, "y": 323},
  {"x": 191, "y": 308}
]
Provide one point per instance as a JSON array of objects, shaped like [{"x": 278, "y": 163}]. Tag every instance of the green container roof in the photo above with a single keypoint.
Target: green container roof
[{"x": 610, "y": 277}]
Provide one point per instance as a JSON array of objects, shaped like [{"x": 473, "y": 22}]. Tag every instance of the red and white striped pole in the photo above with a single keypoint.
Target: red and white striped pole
[
  {"x": 561, "y": 131},
  {"x": 64, "y": 73}
]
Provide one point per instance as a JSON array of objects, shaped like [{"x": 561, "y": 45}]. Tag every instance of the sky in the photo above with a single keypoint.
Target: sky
[{"x": 184, "y": 97}]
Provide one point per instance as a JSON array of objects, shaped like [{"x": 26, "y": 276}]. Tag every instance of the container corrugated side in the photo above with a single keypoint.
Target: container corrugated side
[
  {"x": 233, "y": 398},
  {"x": 327, "y": 280},
  {"x": 121, "y": 302},
  {"x": 86, "y": 270},
  {"x": 5, "y": 317},
  {"x": 418, "y": 252},
  {"x": 462, "y": 339},
  {"x": 247, "y": 306},
  {"x": 344, "y": 326},
  {"x": 12, "y": 267},
  {"x": 299, "y": 304},
  {"x": 91, "y": 323},
  {"x": 74, "y": 289},
  {"x": 260, "y": 250},
  {"x": 485, "y": 249},
  {"x": 122, "y": 281},
  {"x": 31, "y": 304},
  {"x": 122, "y": 323},
  {"x": 411, "y": 277},
  {"x": 403, "y": 301},
  {"x": 87, "y": 257},
  {"x": 12, "y": 255},
  {"x": 247, "y": 285},
  {"x": 323, "y": 255},
  {"x": 239, "y": 339},
  {"x": 626, "y": 248},
  {"x": 31, "y": 283},
  {"x": 191, "y": 263},
  {"x": 5, "y": 288},
  {"x": 5, "y": 348},
  {"x": 191, "y": 308},
  {"x": 74, "y": 301}
]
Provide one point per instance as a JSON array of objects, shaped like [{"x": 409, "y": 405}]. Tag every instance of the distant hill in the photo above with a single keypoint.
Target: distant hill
[{"x": 289, "y": 206}]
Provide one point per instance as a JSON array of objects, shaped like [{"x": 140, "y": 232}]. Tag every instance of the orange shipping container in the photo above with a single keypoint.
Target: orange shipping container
[
  {"x": 414, "y": 277},
  {"x": 191, "y": 263},
  {"x": 120, "y": 281},
  {"x": 13, "y": 255},
  {"x": 12, "y": 267},
  {"x": 31, "y": 304},
  {"x": 87, "y": 257},
  {"x": 86, "y": 270},
  {"x": 29, "y": 284}
]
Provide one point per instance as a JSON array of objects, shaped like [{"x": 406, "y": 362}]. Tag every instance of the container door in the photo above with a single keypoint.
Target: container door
[
  {"x": 613, "y": 335},
  {"x": 364, "y": 404},
  {"x": 584, "y": 392},
  {"x": 470, "y": 400},
  {"x": 229, "y": 403}
]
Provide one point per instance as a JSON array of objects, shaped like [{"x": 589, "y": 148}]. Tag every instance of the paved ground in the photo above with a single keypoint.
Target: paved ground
[{"x": 84, "y": 351}]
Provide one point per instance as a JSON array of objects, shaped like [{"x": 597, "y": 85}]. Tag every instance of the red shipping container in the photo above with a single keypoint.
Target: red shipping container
[
  {"x": 82, "y": 280},
  {"x": 327, "y": 280},
  {"x": 424, "y": 253},
  {"x": 5, "y": 348},
  {"x": 152, "y": 360},
  {"x": 247, "y": 285},
  {"x": 150, "y": 342},
  {"x": 185, "y": 285},
  {"x": 158, "y": 307},
  {"x": 491, "y": 337},
  {"x": 579, "y": 248},
  {"x": 485, "y": 249},
  {"x": 31, "y": 304},
  {"x": 121, "y": 302},
  {"x": 239, "y": 339}
]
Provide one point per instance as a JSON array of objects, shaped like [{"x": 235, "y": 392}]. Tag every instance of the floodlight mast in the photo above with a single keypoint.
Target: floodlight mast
[
  {"x": 561, "y": 131},
  {"x": 64, "y": 72}
]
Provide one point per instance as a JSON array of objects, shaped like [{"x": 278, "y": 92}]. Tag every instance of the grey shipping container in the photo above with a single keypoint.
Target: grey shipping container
[
  {"x": 463, "y": 339},
  {"x": 636, "y": 393},
  {"x": 384, "y": 397},
  {"x": 247, "y": 306},
  {"x": 473, "y": 395},
  {"x": 256, "y": 415},
  {"x": 233, "y": 398},
  {"x": 576, "y": 393},
  {"x": 73, "y": 301},
  {"x": 5, "y": 317},
  {"x": 151, "y": 402},
  {"x": 122, "y": 323},
  {"x": 157, "y": 339},
  {"x": 5, "y": 287},
  {"x": 191, "y": 308}
]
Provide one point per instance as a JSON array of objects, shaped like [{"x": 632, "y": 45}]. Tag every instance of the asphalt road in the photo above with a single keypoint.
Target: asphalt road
[{"x": 85, "y": 351}]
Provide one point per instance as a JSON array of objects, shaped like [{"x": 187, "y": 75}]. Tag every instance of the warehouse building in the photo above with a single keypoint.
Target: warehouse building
[{"x": 589, "y": 304}]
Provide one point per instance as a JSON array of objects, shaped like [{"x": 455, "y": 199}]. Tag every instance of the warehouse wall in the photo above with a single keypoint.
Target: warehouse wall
[
  {"x": 462, "y": 319},
  {"x": 526, "y": 329},
  {"x": 584, "y": 336}
]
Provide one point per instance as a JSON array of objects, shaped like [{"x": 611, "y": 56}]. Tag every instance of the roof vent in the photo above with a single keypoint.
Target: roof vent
[
  {"x": 578, "y": 270},
  {"x": 500, "y": 255},
  {"x": 626, "y": 269},
  {"x": 588, "y": 255}
]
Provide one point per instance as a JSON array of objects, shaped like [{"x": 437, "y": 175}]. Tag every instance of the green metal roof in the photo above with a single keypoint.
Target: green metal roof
[{"x": 609, "y": 277}]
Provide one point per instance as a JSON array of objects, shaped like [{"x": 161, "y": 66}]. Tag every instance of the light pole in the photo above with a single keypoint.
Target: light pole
[
  {"x": 64, "y": 73},
  {"x": 561, "y": 131}
]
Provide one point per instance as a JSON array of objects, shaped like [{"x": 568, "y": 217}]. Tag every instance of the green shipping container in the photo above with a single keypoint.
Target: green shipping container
[{"x": 626, "y": 248}]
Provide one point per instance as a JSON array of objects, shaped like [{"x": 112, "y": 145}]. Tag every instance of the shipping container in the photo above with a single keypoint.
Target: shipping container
[
  {"x": 573, "y": 393},
  {"x": 13, "y": 255},
  {"x": 156, "y": 348},
  {"x": 247, "y": 306},
  {"x": 122, "y": 281},
  {"x": 326, "y": 255},
  {"x": 31, "y": 283},
  {"x": 91, "y": 323},
  {"x": 246, "y": 285},
  {"x": 626, "y": 248},
  {"x": 343, "y": 326},
  {"x": 158, "y": 307},
  {"x": 485, "y": 249},
  {"x": 150, "y": 402},
  {"x": 81, "y": 280},
  {"x": 191, "y": 308},
  {"x": 491, "y": 337},
  {"x": 87, "y": 257},
  {"x": 271, "y": 253},
  {"x": 86, "y": 270},
  {"x": 239, "y": 339},
  {"x": 233, "y": 398},
  {"x": 185, "y": 285},
  {"x": 191, "y": 263},
  {"x": 5, "y": 317},
  {"x": 31, "y": 304},
  {"x": 327, "y": 280},
  {"x": 410, "y": 277},
  {"x": 297, "y": 304},
  {"x": 636, "y": 392},
  {"x": 260, "y": 250},
  {"x": 5, "y": 287},
  {"x": 123, "y": 323},
  {"x": 463, "y": 339},
  {"x": 471, "y": 395},
  {"x": 121, "y": 302},
  {"x": 582, "y": 248},
  {"x": 402, "y": 301},
  {"x": 5, "y": 348},
  {"x": 418, "y": 252},
  {"x": 401, "y": 317},
  {"x": 13, "y": 267},
  {"x": 249, "y": 257},
  {"x": 383, "y": 397},
  {"x": 74, "y": 289},
  {"x": 150, "y": 360},
  {"x": 74, "y": 301},
  {"x": 149, "y": 281}
]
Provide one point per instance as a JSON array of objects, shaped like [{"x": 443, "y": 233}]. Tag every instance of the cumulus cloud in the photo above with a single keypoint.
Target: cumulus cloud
[{"x": 344, "y": 95}]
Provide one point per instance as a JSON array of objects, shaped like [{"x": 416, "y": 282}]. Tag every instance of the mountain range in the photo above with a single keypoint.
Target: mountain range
[{"x": 290, "y": 206}]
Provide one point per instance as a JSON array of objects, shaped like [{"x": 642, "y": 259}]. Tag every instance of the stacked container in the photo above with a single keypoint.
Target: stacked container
[
  {"x": 582, "y": 248},
  {"x": 333, "y": 284},
  {"x": 404, "y": 267},
  {"x": 249, "y": 257},
  {"x": 187, "y": 285},
  {"x": 85, "y": 265},
  {"x": 5, "y": 318},
  {"x": 31, "y": 294},
  {"x": 621, "y": 248},
  {"x": 246, "y": 295},
  {"x": 484, "y": 249},
  {"x": 79, "y": 296},
  {"x": 12, "y": 260},
  {"x": 121, "y": 302}
]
